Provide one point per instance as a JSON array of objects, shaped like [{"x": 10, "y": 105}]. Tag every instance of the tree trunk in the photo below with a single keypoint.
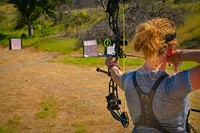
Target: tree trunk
[
  {"x": 30, "y": 28},
  {"x": 77, "y": 30}
]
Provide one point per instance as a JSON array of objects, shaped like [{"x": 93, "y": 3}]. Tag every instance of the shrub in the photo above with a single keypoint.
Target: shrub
[
  {"x": 46, "y": 30},
  {"x": 2, "y": 16},
  {"x": 24, "y": 36},
  {"x": 2, "y": 36}
]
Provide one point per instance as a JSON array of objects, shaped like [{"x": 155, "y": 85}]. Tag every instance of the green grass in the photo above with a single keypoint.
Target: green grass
[
  {"x": 80, "y": 128},
  {"x": 10, "y": 125},
  {"x": 189, "y": 32},
  {"x": 184, "y": 66},
  {"x": 53, "y": 44},
  {"x": 130, "y": 63},
  {"x": 99, "y": 61},
  {"x": 134, "y": 61},
  {"x": 89, "y": 61},
  {"x": 187, "y": 65},
  {"x": 47, "y": 109}
]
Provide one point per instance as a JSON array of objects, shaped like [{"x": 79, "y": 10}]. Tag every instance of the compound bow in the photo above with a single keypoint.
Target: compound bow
[{"x": 113, "y": 102}]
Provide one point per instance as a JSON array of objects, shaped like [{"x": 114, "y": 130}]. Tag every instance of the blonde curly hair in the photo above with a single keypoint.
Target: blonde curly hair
[{"x": 150, "y": 37}]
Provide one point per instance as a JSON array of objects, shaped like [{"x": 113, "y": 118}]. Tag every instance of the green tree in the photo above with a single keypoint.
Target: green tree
[{"x": 31, "y": 10}]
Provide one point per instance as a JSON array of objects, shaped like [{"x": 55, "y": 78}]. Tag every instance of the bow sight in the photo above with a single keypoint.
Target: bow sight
[
  {"x": 112, "y": 10},
  {"x": 119, "y": 52}
]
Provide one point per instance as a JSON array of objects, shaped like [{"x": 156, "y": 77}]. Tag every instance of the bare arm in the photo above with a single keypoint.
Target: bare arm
[
  {"x": 193, "y": 55},
  {"x": 188, "y": 55}
]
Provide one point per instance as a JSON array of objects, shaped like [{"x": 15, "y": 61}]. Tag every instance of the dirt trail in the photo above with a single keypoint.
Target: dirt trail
[{"x": 71, "y": 98}]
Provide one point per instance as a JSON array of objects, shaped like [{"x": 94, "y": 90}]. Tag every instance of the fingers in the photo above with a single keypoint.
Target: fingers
[
  {"x": 176, "y": 69},
  {"x": 173, "y": 60},
  {"x": 110, "y": 59}
]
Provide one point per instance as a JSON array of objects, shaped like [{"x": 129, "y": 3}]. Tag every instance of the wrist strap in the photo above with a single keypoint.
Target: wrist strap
[{"x": 114, "y": 64}]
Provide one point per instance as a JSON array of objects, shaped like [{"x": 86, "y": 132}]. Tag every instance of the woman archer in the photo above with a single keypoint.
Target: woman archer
[{"x": 156, "y": 101}]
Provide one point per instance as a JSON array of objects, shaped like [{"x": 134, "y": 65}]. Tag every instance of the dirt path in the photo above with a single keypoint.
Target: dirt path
[{"x": 37, "y": 96}]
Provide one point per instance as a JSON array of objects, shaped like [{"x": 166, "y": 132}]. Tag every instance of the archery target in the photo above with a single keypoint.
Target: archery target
[
  {"x": 16, "y": 43},
  {"x": 89, "y": 48}
]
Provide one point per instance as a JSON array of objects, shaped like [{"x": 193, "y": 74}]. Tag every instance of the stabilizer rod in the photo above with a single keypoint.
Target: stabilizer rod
[{"x": 103, "y": 71}]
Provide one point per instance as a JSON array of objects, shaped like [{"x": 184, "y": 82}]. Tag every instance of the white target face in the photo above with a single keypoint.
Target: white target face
[{"x": 15, "y": 43}]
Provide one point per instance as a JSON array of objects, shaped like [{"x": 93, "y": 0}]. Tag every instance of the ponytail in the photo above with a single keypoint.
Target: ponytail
[{"x": 150, "y": 37}]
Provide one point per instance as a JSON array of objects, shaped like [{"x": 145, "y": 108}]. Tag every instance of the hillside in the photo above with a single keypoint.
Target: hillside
[
  {"x": 93, "y": 24},
  {"x": 87, "y": 3}
]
